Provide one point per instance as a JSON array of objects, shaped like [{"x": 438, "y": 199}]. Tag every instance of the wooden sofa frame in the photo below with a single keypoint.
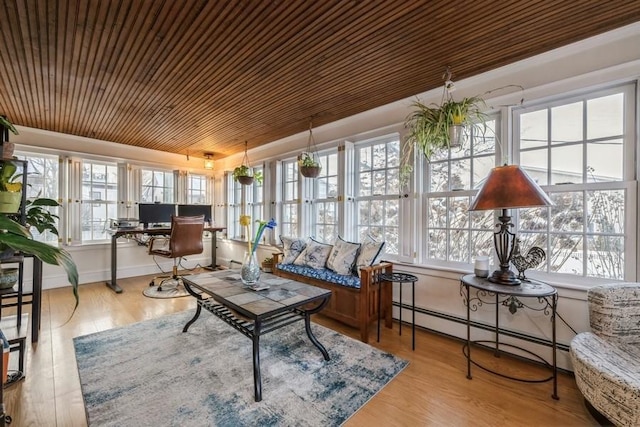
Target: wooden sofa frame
[{"x": 354, "y": 307}]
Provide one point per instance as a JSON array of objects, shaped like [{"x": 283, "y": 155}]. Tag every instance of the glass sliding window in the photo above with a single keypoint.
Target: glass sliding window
[
  {"x": 453, "y": 178},
  {"x": 289, "y": 222},
  {"x": 578, "y": 149},
  {"x": 99, "y": 199},
  {"x": 325, "y": 199},
  {"x": 157, "y": 186},
  {"x": 378, "y": 191},
  {"x": 197, "y": 189},
  {"x": 43, "y": 172}
]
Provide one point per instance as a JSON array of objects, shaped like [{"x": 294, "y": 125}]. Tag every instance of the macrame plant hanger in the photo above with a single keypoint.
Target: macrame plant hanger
[{"x": 246, "y": 179}]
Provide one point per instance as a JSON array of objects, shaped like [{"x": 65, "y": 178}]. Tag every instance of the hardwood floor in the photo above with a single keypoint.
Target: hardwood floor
[{"x": 433, "y": 390}]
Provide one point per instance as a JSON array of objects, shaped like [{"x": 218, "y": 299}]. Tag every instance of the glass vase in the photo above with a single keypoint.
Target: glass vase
[{"x": 250, "y": 270}]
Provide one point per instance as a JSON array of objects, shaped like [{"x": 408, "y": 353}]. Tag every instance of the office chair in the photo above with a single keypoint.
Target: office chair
[{"x": 185, "y": 239}]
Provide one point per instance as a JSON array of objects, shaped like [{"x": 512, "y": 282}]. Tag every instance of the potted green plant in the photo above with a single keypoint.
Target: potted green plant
[
  {"x": 267, "y": 265},
  {"x": 309, "y": 165},
  {"x": 5, "y": 127},
  {"x": 431, "y": 127},
  {"x": 245, "y": 175},
  {"x": 10, "y": 187},
  {"x": 15, "y": 237}
]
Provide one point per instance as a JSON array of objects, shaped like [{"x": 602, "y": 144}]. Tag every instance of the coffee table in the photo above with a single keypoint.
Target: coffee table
[{"x": 255, "y": 313}]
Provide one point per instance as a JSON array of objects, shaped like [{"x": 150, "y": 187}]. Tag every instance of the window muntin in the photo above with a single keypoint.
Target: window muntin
[
  {"x": 289, "y": 215},
  {"x": 255, "y": 202},
  {"x": 576, "y": 148},
  {"x": 43, "y": 176},
  {"x": 197, "y": 189},
  {"x": 98, "y": 199},
  {"x": 157, "y": 186},
  {"x": 452, "y": 180},
  {"x": 325, "y": 199},
  {"x": 234, "y": 208},
  {"x": 378, "y": 192}
]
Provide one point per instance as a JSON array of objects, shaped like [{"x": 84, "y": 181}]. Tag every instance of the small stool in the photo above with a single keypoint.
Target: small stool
[{"x": 400, "y": 278}]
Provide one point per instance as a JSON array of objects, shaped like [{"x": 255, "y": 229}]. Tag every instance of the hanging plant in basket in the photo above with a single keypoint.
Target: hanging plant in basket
[
  {"x": 309, "y": 167},
  {"x": 308, "y": 161},
  {"x": 244, "y": 173}
]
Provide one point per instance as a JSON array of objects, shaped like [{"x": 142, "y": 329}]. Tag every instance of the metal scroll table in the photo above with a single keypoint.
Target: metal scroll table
[
  {"x": 255, "y": 313},
  {"x": 509, "y": 296}
]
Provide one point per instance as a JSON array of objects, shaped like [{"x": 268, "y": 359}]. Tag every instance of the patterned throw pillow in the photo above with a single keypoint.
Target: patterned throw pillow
[
  {"x": 291, "y": 247},
  {"x": 315, "y": 255},
  {"x": 343, "y": 256},
  {"x": 369, "y": 252}
]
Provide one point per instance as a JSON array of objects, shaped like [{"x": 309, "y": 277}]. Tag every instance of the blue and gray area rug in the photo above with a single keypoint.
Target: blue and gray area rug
[{"x": 152, "y": 374}]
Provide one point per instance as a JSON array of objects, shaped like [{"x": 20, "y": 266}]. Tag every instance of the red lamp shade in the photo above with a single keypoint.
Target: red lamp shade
[{"x": 509, "y": 187}]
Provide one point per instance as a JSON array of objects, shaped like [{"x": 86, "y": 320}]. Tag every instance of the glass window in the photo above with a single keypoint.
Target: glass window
[
  {"x": 255, "y": 201},
  {"x": 99, "y": 198},
  {"x": 325, "y": 199},
  {"x": 157, "y": 186},
  {"x": 234, "y": 201},
  {"x": 575, "y": 148},
  {"x": 452, "y": 180},
  {"x": 197, "y": 189},
  {"x": 377, "y": 192},
  {"x": 43, "y": 172},
  {"x": 290, "y": 199}
]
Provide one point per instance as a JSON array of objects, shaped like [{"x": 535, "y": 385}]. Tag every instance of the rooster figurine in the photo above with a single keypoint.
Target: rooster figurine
[{"x": 532, "y": 259}]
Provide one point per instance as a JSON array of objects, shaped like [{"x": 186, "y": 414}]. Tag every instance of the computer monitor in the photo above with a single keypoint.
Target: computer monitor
[
  {"x": 195, "y": 210},
  {"x": 154, "y": 214}
]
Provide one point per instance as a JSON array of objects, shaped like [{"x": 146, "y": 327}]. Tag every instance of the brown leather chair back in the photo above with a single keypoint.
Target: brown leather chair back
[{"x": 186, "y": 235}]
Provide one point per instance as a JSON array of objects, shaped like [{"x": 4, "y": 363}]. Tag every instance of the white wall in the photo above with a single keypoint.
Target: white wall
[{"x": 601, "y": 60}]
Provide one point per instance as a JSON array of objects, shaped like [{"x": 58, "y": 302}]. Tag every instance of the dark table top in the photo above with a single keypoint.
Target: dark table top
[{"x": 281, "y": 295}]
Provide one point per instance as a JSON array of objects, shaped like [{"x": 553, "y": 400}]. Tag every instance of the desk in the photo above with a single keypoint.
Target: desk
[
  {"x": 255, "y": 313},
  {"x": 508, "y": 296},
  {"x": 155, "y": 231}
]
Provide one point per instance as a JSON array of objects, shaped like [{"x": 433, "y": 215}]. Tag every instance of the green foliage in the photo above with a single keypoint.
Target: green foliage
[
  {"x": 39, "y": 217},
  {"x": 17, "y": 237},
  {"x": 10, "y": 179},
  {"x": 428, "y": 128},
  {"x": 306, "y": 160},
  {"x": 7, "y": 124},
  {"x": 244, "y": 170}
]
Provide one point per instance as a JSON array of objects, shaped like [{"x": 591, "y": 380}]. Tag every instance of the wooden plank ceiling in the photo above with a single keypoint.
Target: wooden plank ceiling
[{"x": 196, "y": 76}]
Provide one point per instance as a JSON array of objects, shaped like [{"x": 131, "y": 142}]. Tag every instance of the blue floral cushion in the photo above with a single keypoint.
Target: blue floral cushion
[
  {"x": 314, "y": 255},
  {"x": 322, "y": 274}
]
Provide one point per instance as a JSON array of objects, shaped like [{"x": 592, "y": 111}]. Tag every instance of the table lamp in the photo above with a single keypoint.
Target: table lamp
[{"x": 507, "y": 187}]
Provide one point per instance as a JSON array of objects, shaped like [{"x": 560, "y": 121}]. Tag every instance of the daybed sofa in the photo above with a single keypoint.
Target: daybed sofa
[
  {"x": 606, "y": 361},
  {"x": 354, "y": 299}
]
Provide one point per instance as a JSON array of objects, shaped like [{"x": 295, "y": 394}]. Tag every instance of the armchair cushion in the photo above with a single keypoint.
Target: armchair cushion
[{"x": 324, "y": 274}]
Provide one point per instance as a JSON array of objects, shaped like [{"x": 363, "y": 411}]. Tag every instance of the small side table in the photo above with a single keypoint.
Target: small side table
[{"x": 401, "y": 278}]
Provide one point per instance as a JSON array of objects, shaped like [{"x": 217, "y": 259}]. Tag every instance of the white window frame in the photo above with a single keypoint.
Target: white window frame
[
  {"x": 290, "y": 189},
  {"x": 627, "y": 185},
  {"x": 330, "y": 172},
  {"x": 168, "y": 190},
  {"x": 390, "y": 196},
  {"x": 456, "y": 220}
]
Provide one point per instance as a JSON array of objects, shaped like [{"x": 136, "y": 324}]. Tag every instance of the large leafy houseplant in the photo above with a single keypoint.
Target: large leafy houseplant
[
  {"x": 429, "y": 125},
  {"x": 14, "y": 237}
]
